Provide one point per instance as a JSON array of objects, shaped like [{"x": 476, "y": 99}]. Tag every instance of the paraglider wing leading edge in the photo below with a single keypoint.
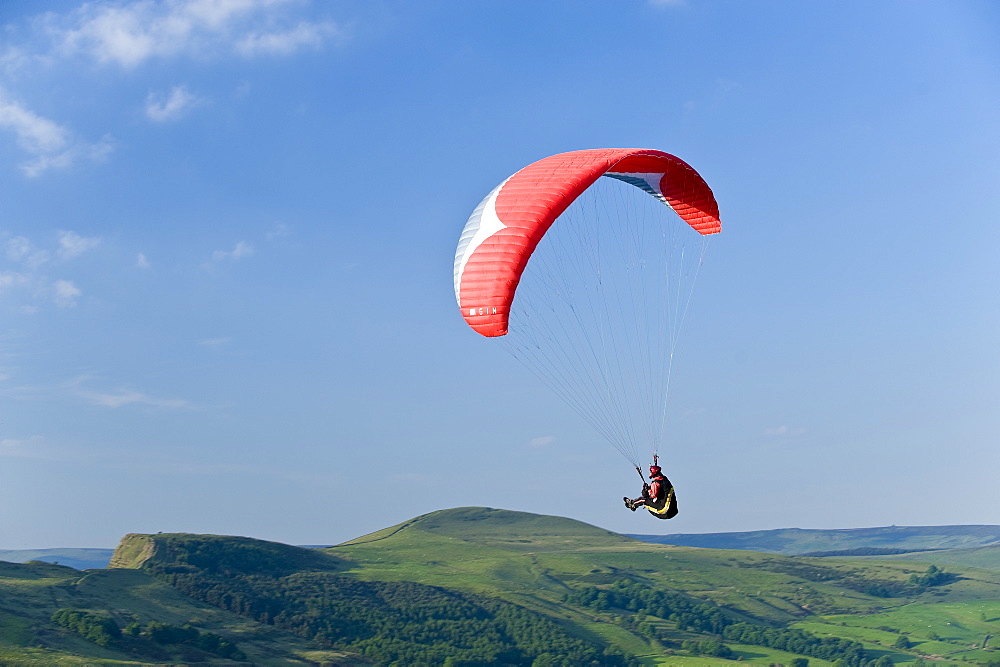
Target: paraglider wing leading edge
[{"x": 504, "y": 229}]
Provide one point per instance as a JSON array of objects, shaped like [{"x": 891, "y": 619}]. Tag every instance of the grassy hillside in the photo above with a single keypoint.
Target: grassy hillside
[
  {"x": 218, "y": 554},
  {"x": 304, "y": 592},
  {"x": 486, "y": 586},
  {"x": 945, "y": 631},
  {"x": 799, "y": 541},
  {"x": 987, "y": 558},
  {"x": 30, "y": 594},
  {"x": 446, "y": 548},
  {"x": 504, "y": 554}
]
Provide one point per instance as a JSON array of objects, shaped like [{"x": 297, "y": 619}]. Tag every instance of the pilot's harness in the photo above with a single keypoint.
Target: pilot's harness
[{"x": 661, "y": 509}]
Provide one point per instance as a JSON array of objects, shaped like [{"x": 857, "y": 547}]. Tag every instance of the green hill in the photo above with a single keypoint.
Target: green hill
[
  {"x": 486, "y": 586},
  {"x": 401, "y": 622},
  {"x": 448, "y": 548},
  {"x": 502, "y": 528},
  {"x": 218, "y": 554},
  {"x": 457, "y": 547}
]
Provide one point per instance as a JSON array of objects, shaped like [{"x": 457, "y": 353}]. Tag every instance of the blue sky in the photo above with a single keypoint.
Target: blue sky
[{"x": 227, "y": 231}]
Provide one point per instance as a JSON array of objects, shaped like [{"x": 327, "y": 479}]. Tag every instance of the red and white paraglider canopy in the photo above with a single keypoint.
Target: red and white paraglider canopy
[{"x": 503, "y": 231}]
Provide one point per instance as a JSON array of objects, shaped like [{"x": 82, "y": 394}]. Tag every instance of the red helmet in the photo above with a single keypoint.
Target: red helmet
[{"x": 654, "y": 470}]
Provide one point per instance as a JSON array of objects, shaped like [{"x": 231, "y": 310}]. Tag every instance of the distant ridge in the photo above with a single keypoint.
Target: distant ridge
[
  {"x": 522, "y": 529},
  {"x": 78, "y": 559},
  {"x": 843, "y": 541}
]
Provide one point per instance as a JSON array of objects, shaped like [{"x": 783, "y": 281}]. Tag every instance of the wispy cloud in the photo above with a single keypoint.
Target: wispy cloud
[
  {"x": 162, "y": 108},
  {"x": 72, "y": 244},
  {"x": 29, "y": 448},
  {"x": 542, "y": 441},
  {"x": 279, "y": 230},
  {"x": 13, "y": 279},
  {"x": 65, "y": 293},
  {"x": 91, "y": 152},
  {"x": 21, "y": 251},
  {"x": 311, "y": 35},
  {"x": 31, "y": 268},
  {"x": 34, "y": 133},
  {"x": 141, "y": 262},
  {"x": 121, "y": 396},
  {"x": 241, "y": 250},
  {"x": 129, "y": 34},
  {"x": 48, "y": 144}
]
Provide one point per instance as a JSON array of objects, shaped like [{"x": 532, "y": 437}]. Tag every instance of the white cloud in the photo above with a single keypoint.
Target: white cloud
[
  {"x": 128, "y": 34},
  {"x": 65, "y": 293},
  {"x": 95, "y": 152},
  {"x": 285, "y": 42},
  {"x": 73, "y": 245},
  {"x": 31, "y": 273},
  {"x": 141, "y": 262},
  {"x": 122, "y": 396},
  {"x": 20, "y": 250},
  {"x": 242, "y": 249},
  {"x": 13, "y": 58},
  {"x": 162, "y": 108},
  {"x": 35, "y": 134},
  {"x": 279, "y": 230},
  {"x": 542, "y": 441},
  {"x": 50, "y": 145},
  {"x": 12, "y": 279}
]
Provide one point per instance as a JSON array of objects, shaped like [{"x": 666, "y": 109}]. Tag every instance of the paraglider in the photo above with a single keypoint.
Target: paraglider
[{"x": 597, "y": 313}]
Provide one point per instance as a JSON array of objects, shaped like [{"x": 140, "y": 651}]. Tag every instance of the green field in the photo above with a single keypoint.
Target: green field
[
  {"x": 943, "y": 630},
  {"x": 986, "y": 558}
]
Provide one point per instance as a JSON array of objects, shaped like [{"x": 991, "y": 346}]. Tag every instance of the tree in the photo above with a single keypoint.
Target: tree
[{"x": 903, "y": 642}]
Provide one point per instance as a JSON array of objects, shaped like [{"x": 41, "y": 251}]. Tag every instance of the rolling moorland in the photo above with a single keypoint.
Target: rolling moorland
[
  {"x": 483, "y": 586},
  {"x": 888, "y": 540}
]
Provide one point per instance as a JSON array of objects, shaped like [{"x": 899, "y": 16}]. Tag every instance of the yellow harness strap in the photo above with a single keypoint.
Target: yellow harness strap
[{"x": 666, "y": 504}]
